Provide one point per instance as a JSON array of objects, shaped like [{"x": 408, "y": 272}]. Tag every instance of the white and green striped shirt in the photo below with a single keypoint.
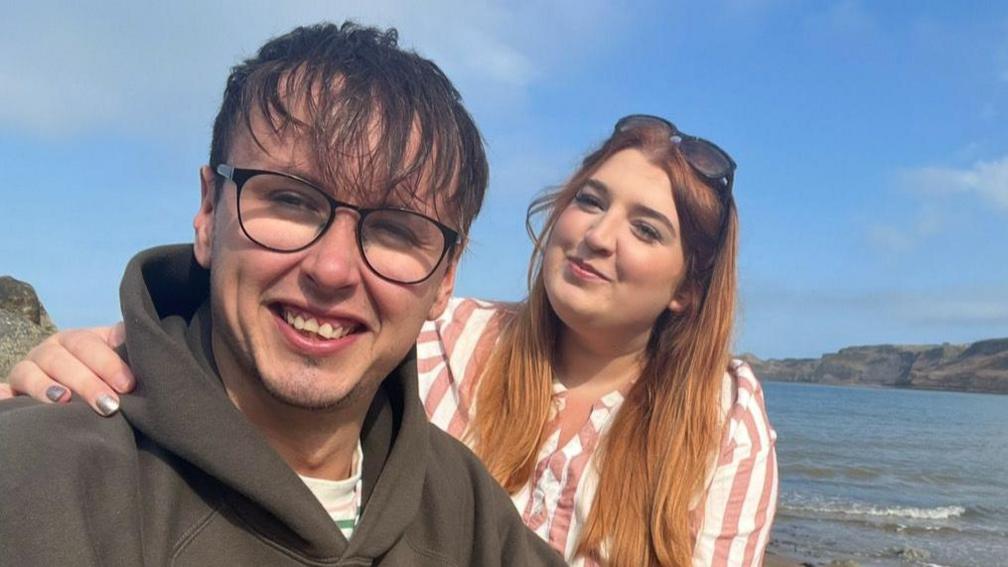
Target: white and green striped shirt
[{"x": 341, "y": 498}]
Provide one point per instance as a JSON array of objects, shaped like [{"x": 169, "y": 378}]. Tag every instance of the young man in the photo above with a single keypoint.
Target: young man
[{"x": 277, "y": 421}]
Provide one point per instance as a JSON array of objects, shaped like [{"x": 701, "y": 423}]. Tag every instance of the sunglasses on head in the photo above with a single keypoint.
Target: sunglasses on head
[{"x": 705, "y": 157}]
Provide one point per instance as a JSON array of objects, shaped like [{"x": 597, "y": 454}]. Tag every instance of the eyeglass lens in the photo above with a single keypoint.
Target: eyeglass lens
[{"x": 286, "y": 215}]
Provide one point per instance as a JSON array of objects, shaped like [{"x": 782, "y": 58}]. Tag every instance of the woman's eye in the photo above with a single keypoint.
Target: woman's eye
[
  {"x": 587, "y": 200},
  {"x": 647, "y": 232}
]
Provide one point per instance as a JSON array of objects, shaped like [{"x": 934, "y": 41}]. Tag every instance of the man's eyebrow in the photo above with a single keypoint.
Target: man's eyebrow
[
  {"x": 302, "y": 175},
  {"x": 636, "y": 208}
]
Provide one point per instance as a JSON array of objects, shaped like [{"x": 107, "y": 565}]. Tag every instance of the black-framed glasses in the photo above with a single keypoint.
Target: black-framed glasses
[
  {"x": 285, "y": 213},
  {"x": 704, "y": 156}
]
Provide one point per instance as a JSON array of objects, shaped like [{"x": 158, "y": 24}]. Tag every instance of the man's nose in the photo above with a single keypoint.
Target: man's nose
[{"x": 334, "y": 262}]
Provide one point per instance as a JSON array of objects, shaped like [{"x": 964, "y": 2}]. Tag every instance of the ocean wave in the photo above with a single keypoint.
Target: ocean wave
[
  {"x": 817, "y": 472},
  {"x": 907, "y": 529},
  {"x": 855, "y": 509}
]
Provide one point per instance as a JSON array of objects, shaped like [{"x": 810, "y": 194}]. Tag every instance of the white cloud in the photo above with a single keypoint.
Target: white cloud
[
  {"x": 952, "y": 306},
  {"x": 955, "y": 310},
  {"x": 782, "y": 320},
  {"x": 928, "y": 220},
  {"x": 987, "y": 180},
  {"x": 71, "y": 68},
  {"x": 891, "y": 239}
]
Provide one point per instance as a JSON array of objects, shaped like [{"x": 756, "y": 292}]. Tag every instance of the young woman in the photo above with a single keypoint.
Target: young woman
[{"x": 606, "y": 403}]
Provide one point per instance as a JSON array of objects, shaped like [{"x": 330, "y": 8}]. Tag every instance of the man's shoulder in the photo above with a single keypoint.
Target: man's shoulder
[
  {"x": 452, "y": 455},
  {"x": 456, "y": 475},
  {"x": 452, "y": 467},
  {"x": 22, "y": 411},
  {"x": 68, "y": 478},
  {"x": 56, "y": 436}
]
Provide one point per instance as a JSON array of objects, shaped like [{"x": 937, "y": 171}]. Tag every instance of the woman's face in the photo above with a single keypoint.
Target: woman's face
[{"x": 614, "y": 259}]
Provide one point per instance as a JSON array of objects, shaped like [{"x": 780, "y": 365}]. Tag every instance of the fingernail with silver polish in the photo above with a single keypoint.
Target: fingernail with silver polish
[
  {"x": 107, "y": 405},
  {"x": 55, "y": 392}
]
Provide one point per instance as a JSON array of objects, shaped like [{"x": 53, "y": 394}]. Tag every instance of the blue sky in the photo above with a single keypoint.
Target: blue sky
[{"x": 871, "y": 137}]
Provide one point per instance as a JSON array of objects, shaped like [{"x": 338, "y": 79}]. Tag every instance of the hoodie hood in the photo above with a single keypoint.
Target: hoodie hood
[{"x": 181, "y": 404}]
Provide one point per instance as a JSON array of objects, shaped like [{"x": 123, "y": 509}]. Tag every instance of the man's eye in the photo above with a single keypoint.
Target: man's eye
[
  {"x": 392, "y": 234},
  {"x": 292, "y": 199},
  {"x": 395, "y": 230}
]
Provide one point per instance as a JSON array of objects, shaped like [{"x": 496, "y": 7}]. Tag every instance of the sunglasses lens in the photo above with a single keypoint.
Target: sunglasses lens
[
  {"x": 640, "y": 121},
  {"x": 707, "y": 159}
]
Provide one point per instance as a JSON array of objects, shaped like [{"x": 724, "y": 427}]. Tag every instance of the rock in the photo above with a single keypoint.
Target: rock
[
  {"x": 20, "y": 299},
  {"x": 883, "y": 365},
  {"x": 978, "y": 367},
  {"x": 23, "y": 322},
  {"x": 784, "y": 370},
  {"x": 910, "y": 554}
]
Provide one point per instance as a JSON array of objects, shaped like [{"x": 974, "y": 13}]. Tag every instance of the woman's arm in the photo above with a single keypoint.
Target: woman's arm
[
  {"x": 737, "y": 511},
  {"x": 82, "y": 361}
]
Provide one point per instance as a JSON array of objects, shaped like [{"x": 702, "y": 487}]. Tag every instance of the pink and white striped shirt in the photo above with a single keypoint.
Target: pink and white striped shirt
[{"x": 730, "y": 521}]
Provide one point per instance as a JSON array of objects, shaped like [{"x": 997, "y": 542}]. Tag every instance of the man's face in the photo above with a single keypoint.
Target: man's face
[{"x": 256, "y": 292}]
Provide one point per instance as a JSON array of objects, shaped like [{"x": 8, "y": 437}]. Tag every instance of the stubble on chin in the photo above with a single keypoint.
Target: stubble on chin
[
  {"x": 296, "y": 391},
  {"x": 306, "y": 401},
  {"x": 251, "y": 373}
]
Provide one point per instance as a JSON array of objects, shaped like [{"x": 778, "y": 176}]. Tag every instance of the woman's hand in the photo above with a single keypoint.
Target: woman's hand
[{"x": 81, "y": 361}]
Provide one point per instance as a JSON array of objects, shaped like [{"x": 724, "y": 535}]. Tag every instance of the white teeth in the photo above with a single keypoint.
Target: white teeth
[{"x": 311, "y": 325}]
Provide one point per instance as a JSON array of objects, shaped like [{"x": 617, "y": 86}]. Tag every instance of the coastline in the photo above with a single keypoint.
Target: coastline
[
  {"x": 868, "y": 386},
  {"x": 774, "y": 559},
  {"x": 977, "y": 367}
]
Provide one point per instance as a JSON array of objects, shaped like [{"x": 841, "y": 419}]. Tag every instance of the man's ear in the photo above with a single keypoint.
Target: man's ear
[
  {"x": 203, "y": 222},
  {"x": 445, "y": 288}
]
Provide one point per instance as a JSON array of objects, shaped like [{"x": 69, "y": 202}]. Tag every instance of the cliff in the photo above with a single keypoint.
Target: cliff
[
  {"x": 978, "y": 367},
  {"x": 23, "y": 322}
]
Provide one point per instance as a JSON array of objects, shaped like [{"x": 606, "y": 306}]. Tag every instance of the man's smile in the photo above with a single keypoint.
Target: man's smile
[
  {"x": 313, "y": 333},
  {"x": 311, "y": 324}
]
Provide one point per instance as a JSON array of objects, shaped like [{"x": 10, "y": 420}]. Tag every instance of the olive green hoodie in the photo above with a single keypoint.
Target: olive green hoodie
[{"x": 180, "y": 477}]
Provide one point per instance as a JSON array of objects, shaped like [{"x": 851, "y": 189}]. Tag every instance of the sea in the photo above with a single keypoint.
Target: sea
[{"x": 890, "y": 477}]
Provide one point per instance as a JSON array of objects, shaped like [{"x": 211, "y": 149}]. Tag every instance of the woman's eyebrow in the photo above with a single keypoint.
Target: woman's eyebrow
[
  {"x": 597, "y": 185},
  {"x": 636, "y": 208},
  {"x": 650, "y": 213}
]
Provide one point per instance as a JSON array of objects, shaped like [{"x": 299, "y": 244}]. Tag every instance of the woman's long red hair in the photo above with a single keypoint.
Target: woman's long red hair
[{"x": 670, "y": 422}]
